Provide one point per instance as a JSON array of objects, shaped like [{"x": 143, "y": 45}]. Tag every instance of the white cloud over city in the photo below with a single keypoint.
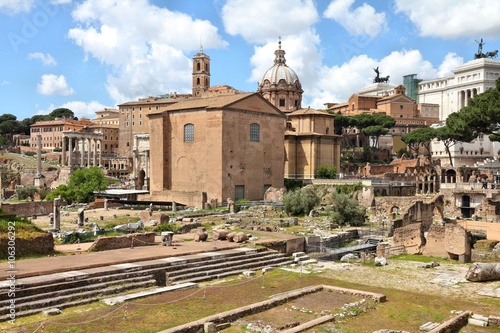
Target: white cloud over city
[
  {"x": 45, "y": 58},
  {"x": 148, "y": 56},
  {"x": 51, "y": 84}
]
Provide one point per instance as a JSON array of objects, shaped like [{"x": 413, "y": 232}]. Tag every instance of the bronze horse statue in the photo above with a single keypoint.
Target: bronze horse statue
[
  {"x": 491, "y": 54},
  {"x": 385, "y": 79}
]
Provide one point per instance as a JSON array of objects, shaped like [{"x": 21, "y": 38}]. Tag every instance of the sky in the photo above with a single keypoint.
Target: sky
[{"x": 90, "y": 54}]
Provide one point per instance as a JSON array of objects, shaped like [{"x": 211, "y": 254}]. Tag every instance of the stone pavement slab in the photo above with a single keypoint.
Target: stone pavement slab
[{"x": 79, "y": 260}]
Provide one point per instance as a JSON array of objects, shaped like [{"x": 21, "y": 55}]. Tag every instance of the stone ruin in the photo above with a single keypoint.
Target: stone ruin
[{"x": 450, "y": 241}]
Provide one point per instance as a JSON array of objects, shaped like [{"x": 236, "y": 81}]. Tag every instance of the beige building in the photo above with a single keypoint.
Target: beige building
[
  {"x": 51, "y": 131},
  {"x": 310, "y": 142},
  {"x": 207, "y": 150}
]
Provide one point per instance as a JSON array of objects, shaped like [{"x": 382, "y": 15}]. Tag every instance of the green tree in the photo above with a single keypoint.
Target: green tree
[
  {"x": 421, "y": 136},
  {"x": 346, "y": 210},
  {"x": 376, "y": 131},
  {"x": 326, "y": 172},
  {"x": 81, "y": 186},
  {"x": 61, "y": 113},
  {"x": 300, "y": 201},
  {"x": 341, "y": 122},
  {"x": 449, "y": 137}
]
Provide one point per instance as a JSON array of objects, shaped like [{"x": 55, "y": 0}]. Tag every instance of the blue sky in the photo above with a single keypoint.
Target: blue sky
[{"x": 90, "y": 54}]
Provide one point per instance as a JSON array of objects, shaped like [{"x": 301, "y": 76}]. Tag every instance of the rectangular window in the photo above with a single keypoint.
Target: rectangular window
[
  {"x": 254, "y": 133},
  {"x": 239, "y": 192},
  {"x": 188, "y": 133},
  {"x": 282, "y": 102}
]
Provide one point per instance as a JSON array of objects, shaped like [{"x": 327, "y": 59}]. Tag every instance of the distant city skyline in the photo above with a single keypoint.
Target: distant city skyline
[{"x": 92, "y": 54}]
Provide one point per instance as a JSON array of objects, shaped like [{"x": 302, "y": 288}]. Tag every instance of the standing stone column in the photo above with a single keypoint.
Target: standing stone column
[
  {"x": 95, "y": 153},
  {"x": 82, "y": 153},
  {"x": 39, "y": 178},
  {"x": 88, "y": 151},
  {"x": 57, "y": 214},
  {"x": 39, "y": 155},
  {"x": 63, "y": 159},
  {"x": 70, "y": 146},
  {"x": 100, "y": 152}
]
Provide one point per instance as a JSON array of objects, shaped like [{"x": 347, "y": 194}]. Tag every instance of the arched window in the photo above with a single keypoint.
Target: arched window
[
  {"x": 254, "y": 132},
  {"x": 188, "y": 133}
]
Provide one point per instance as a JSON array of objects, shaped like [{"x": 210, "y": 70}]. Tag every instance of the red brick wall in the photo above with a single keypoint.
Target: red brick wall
[{"x": 29, "y": 208}]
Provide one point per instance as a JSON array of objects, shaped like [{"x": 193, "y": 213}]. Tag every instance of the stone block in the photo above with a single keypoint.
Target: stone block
[
  {"x": 428, "y": 326},
  {"x": 477, "y": 322}
]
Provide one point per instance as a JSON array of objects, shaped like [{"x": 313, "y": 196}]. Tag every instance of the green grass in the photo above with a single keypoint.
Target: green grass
[{"x": 421, "y": 258}]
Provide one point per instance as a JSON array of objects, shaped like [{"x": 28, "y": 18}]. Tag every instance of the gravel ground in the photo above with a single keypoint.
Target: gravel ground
[{"x": 446, "y": 279}]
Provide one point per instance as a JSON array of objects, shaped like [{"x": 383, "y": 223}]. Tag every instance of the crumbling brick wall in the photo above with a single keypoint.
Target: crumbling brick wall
[
  {"x": 29, "y": 208},
  {"x": 411, "y": 237}
]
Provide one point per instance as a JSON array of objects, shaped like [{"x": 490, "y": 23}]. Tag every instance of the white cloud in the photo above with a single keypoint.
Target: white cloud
[
  {"x": 362, "y": 20},
  {"x": 4, "y": 83},
  {"x": 452, "y": 18},
  {"x": 16, "y": 6},
  {"x": 60, "y": 2},
  {"x": 46, "y": 58},
  {"x": 450, "y": 62},
  {"x": 147, "y": 55},
  {"x": 79, "y": 108},
  {"x": 262, "y": 20},
  {"x": 54, "y": 85}
]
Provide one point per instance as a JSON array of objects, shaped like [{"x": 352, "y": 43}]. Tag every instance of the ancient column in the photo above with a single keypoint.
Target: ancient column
[
  {"x": 39, "y": 179},
  {"x": 39, "y": 155},
  {"x": 57, "y": 214},
  {"x": 63, "y": 159},
  {"x": 100, "y": 152},
  {"x": 82, "y": 152},
  {"x": 95, "y": 153},
  {"x": 88, "y": 151},
  {"x": 70, "y": 143}
]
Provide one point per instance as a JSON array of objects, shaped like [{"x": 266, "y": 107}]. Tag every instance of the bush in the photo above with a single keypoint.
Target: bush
[
  {"x": 346, "y": 210},
  {"x": 25, "y": 192},
  {"x": 326, "y": 172},
  {"x": 300, "y": 201},
  {"x": 166, "y": 227}
]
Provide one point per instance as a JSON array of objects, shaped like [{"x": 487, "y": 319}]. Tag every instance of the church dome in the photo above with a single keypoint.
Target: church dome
[{"x": 280, "y": 71}]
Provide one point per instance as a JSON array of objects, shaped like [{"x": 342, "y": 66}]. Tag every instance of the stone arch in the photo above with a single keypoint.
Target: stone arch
[{"x": 450, "y": 176}]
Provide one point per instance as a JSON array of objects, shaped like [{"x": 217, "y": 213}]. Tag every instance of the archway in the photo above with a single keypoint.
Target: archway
[
  {"x": 140, "y": 179},
  {"x": 466, "y": 208},
  {"x": 450, "y": 176}
]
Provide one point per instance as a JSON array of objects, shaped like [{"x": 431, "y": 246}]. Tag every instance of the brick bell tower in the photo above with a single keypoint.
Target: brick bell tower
[{"x": 201, "y": 73}]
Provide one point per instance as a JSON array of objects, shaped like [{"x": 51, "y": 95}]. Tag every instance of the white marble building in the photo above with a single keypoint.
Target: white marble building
[{"x": 453, "y": 92}]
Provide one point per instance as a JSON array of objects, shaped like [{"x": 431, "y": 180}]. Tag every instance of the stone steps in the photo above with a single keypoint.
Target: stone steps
[
  {"x": 61, "y": 290},
  {"x": 74, "y": 297},
  {"x": 206, "y": 273}
]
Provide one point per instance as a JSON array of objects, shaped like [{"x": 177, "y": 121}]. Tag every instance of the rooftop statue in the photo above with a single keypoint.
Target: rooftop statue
[
  {"x": 480, "y": 54},
  {"x": 379, "y": 79}
]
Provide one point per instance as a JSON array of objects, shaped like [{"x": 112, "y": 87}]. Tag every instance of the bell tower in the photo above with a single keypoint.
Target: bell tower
[{"x": 201, "y": 73}]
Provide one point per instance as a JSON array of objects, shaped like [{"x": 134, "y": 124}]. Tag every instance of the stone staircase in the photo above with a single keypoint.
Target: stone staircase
[{"x": 61, "y": 290}]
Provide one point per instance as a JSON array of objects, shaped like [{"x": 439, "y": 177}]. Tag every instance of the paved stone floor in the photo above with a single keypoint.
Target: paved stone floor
[{"x": 77, "y": 258}]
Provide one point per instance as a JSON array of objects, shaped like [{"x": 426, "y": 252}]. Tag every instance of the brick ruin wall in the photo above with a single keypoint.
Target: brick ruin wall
[
  {"x": 26, "y": 209},
  {"x": 411, "y": 237}
]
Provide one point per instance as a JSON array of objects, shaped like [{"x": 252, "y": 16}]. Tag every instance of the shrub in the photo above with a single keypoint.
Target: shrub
[
  {"x": 300, "y": 201},
  {"x": 346, "y": 210},
  {"x": 326, "y": 172}
]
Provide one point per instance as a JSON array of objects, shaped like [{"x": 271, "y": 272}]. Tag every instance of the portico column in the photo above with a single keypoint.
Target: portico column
[
  {"x": 88, "y": 151},
  {"x": 70, "y": 161},
  {"x": 63, "y": 159},
  {"x": 100, "y": 152},
  {"x": 82, "y": 152},
  {"x": 95, "y": 153}
]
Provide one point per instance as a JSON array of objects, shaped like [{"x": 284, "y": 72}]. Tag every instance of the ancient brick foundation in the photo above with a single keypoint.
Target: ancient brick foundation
[
  {"x": 120, "y": 242},
  {"x": 26, "y": 209}
]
